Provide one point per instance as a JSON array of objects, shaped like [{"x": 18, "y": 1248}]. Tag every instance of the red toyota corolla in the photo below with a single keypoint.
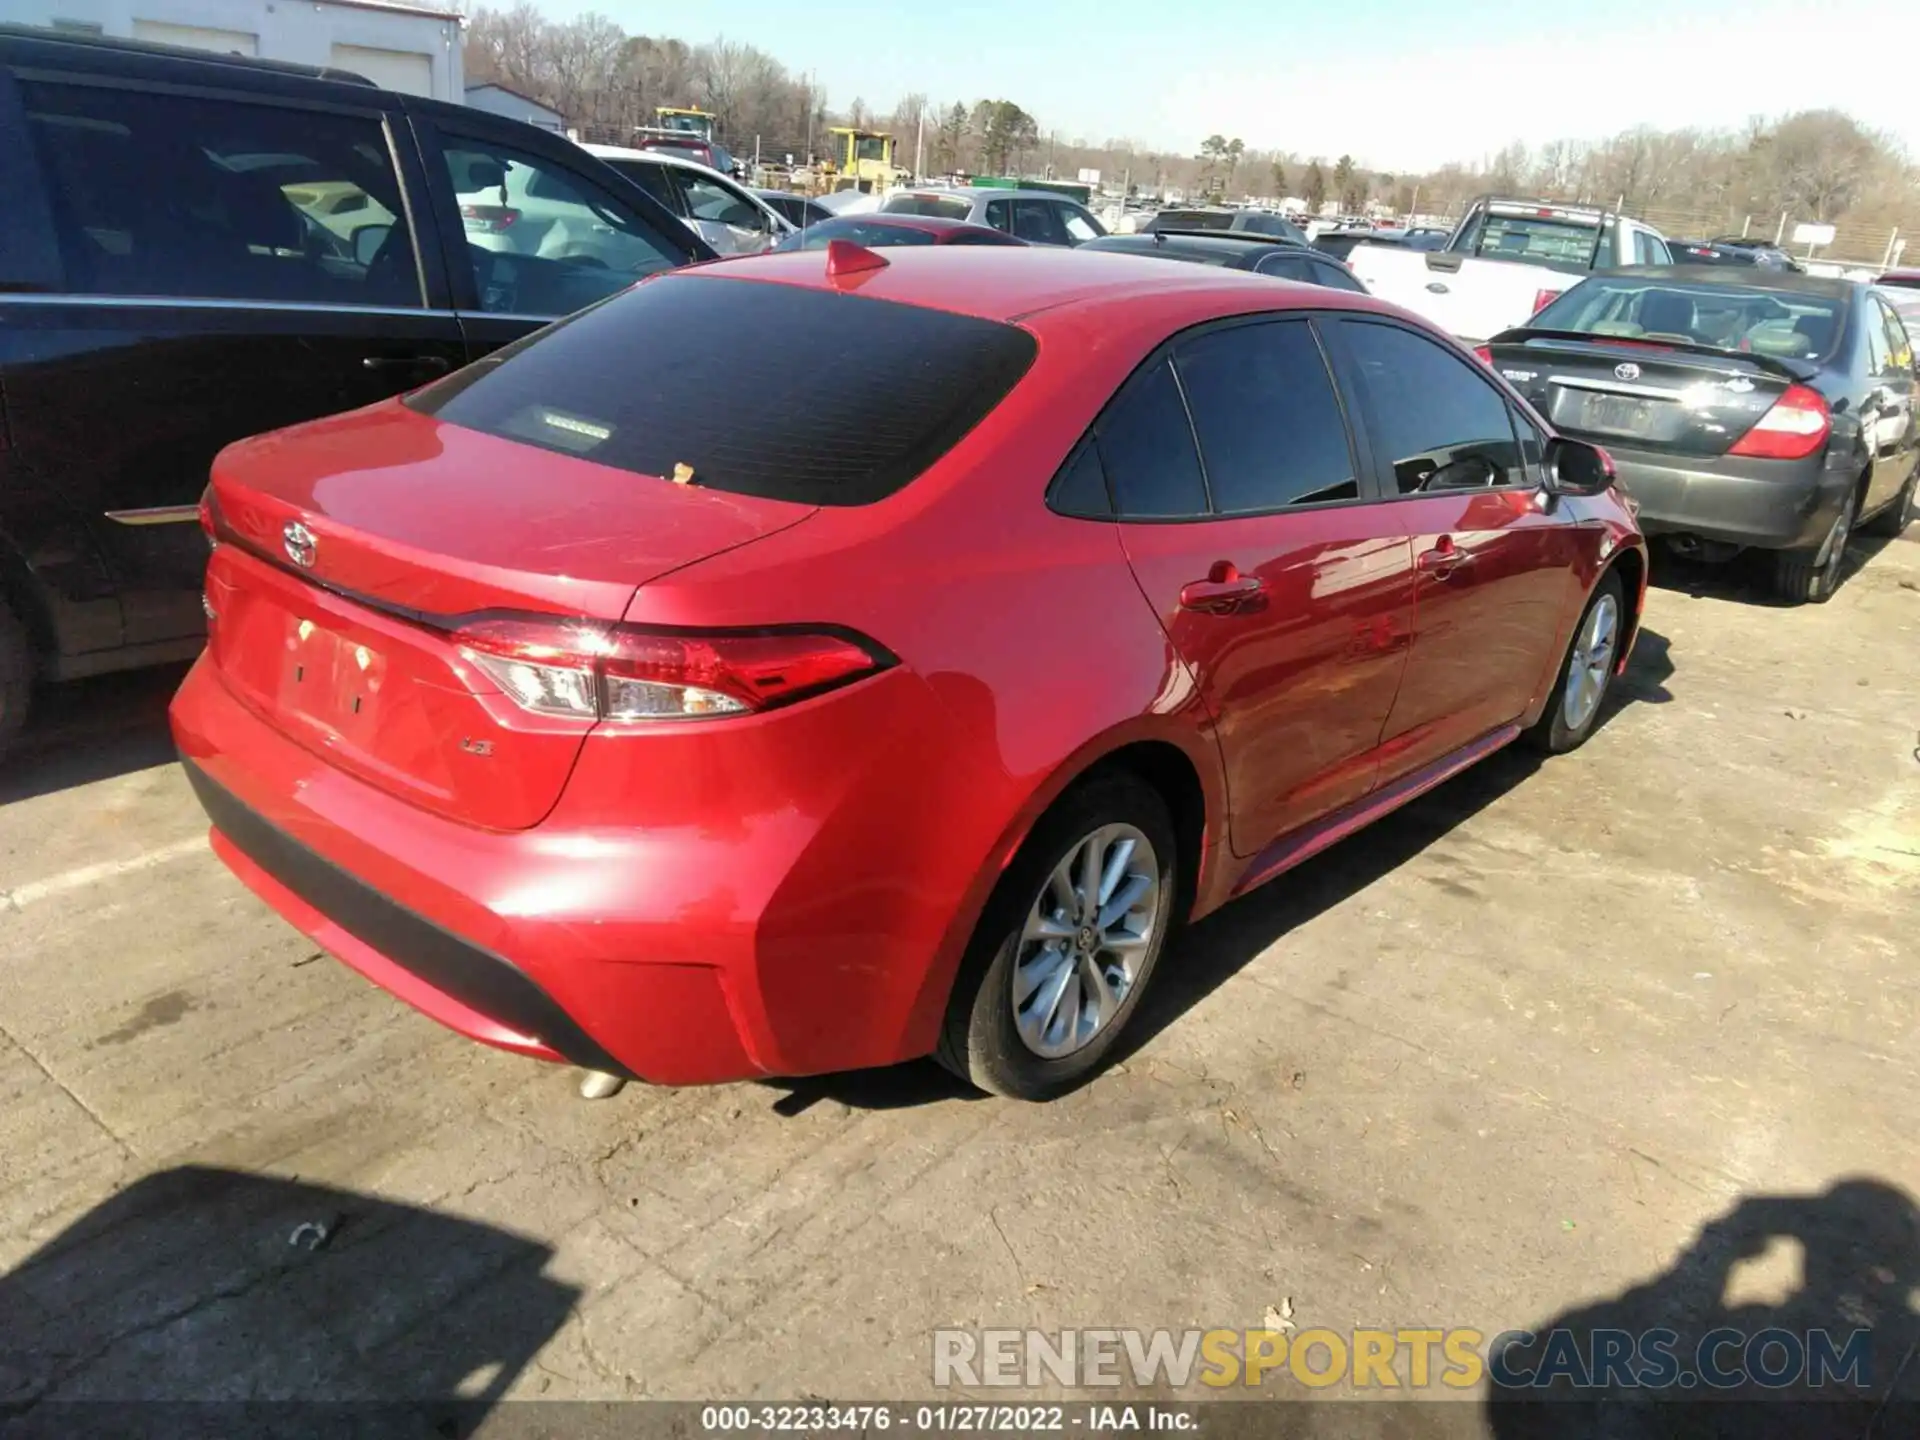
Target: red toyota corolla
[{"x": 821, "y": 660}]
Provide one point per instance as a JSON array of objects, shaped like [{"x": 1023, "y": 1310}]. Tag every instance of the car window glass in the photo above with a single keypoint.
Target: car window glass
[
  {"x": 1533, "y": 444},
  {"x": 1270, "y": 429},
  {"x": 1080, "y": 225},
  {"x": 1080, "y": 488},
  {"x": 1335, "y": 278},
  {"x": 1000, "y": 215},
  {"x": 1038, "y": 222},
  {"x": 710, "y": 200},
  {"x": 1146, "y": 448},
  {"x": 542, "y": 238},
  {"x": 167, "y": 195},
  {"x": 1437, "y": 423},
  {"x": 1899, "y": 347},
  {"x": 656, "y": 180},
  {"x": 1603, "y": 253},
  {"x": 1286, "y": 265},
  {"x": 1878, "y": 360},
  {"x": 1657, "y": 251}
]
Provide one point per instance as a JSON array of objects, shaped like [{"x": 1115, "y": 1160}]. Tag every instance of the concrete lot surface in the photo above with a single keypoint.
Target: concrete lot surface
[{"x": 1625, "y": 1019}]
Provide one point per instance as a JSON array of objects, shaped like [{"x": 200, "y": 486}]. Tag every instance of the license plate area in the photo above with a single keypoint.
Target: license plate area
[
  {"x": 330, "y": 679},
  {"x": 1612, "y": 414}
]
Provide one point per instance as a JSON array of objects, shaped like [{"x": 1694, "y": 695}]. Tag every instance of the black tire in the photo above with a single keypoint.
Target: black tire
[
  {"x": 1811, "y": 579},
  {"x": 16, "y": 677},
  {"x": 1553, "y": 732},
  {"x": 980, "y": 1040},
  {"x": 1891, "y": 521}
]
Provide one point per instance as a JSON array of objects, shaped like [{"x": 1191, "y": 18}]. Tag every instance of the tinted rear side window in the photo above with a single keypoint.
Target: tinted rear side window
[
  {"x": 944, "y": 207},
  {"x": 769, "y": 390},
  {"x": 1146, "y": 448}
]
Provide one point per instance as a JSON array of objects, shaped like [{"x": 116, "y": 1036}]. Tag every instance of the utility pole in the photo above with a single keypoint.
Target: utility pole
[
  {"x": 810, "y": 117},
  {"x": 920, "y": 146}
]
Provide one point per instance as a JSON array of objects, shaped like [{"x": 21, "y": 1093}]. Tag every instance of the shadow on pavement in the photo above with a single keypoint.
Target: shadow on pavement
[
  {"x": 215, "y": 1287},
  {"x": 1748, "y": 577},
  {"x": 1839, "y": 1262},
  {"x": 90, "y": 730}
]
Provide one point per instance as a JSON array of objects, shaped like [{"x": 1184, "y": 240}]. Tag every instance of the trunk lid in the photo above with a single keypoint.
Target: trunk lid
[
  {"x": 352, "y": 546},
  {"x": 1662, "y": 397}
]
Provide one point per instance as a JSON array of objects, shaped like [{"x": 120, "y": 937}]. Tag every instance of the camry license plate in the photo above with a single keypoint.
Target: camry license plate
[{"x": 1615, "y": 414}]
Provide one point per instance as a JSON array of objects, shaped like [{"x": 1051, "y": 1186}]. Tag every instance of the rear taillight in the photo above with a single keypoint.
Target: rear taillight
[
  {"x": 489, "y": 219},
  {"x": 629, "y": 673},
  {"x": 1544, "y": 298},
  {"x": 1485, "y": 352},
  {"x": 209, "y": 521},
  {"x": 1796, "y": 426}
]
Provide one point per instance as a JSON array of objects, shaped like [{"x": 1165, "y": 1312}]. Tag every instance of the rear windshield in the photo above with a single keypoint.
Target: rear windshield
[
  {"x": 1530, "y": 237},
  {"x": 947, "y": 207},
  {"x": 1786, "y": 325},
  {"x": 861, "y": 232},
  {"x": 1709, "y": 255},
  {"x": 1195, "y": 220},
  {"x": 764, "y": 389}
]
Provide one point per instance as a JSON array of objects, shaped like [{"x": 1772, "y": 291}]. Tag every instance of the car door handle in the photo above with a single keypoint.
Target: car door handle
[
  {"x": 1443, "y": 559},
  {"x": 439, "y": 364},
  {"x": 1224, "y": 591}
]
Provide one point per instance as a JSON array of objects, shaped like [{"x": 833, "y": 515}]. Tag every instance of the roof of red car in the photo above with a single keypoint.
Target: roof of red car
[{"x": 1009, "y": 282}]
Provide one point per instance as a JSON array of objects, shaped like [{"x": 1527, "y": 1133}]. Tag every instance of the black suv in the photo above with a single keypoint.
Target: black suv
[{"x": 198, "y": 248}]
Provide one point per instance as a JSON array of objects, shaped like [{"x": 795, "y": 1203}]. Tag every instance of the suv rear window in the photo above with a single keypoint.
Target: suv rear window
[
  {"x": 762, "y": 389},
  {"x": 944, "y": 207}
]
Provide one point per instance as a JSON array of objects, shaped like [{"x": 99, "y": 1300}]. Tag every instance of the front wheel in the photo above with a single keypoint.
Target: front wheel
[
  {"x": 1066, "y": 945},
  {"x": 1573, "y": 711}
]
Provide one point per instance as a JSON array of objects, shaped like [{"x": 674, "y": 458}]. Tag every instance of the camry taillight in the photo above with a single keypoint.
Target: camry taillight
[
  {"x": 1544, "y": 298},
  {"x": 1485, "y": 352},
  {"x": 631, "y": 673},
  {"x": 1796, "y": 426}
]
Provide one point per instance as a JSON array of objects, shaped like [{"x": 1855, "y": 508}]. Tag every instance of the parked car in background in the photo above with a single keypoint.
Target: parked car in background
[
  {"x": 1764, "y": 252},
  {"x": 797, "y": 210},
  {"x": 1425, "y": 237},
  {"x": 200, "y": 247},
  {"x": 1262, "y": 254},
  {"x": 1039, "y": 217},
  {"x": 1339, "y": 244},
  {"x": 710, "y": 153},
  {"x": 1505, "y": 260},
  {"x": 649, "y": 701},
  {"x": 1222, "y": 217},
  {"x": 1708, "y": 252},
  {"x": 731, "y": 218},
  {"x": 1900, "y": 280},
  {"x": 1743, "y": 407},
  {"x": 886, "y": 230}
]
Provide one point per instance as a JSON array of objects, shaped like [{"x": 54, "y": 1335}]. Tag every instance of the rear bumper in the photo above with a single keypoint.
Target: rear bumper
[
  {"x": 683, "y": 918},
  {"x": 1771, "y": 504}
]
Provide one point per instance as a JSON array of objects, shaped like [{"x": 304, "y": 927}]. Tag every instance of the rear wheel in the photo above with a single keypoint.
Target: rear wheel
[
  {"x": 16, "y": 677},
  {"x": 1813, "y": 581},
  {"x": 1587, "y": 673},
  {"x": 1892, "y": 520},
  {"x": 1067, "y": 944}
]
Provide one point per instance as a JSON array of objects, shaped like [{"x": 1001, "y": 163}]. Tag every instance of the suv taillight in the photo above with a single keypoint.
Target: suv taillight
[
  {"x": 631, "y": 673},
  {"x": 1796, "y": 426}
]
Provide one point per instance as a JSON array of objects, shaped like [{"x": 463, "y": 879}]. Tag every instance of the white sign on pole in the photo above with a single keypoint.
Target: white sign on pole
[
  {"x": 1089, "y": 177},
  {"x": 1807, "y": 233}
]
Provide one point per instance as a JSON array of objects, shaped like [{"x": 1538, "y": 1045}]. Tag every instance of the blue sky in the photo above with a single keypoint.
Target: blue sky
[{"x": 1401, "y": 84}]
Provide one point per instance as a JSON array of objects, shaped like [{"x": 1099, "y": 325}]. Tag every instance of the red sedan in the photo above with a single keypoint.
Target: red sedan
[{"x": 646, "y": 698}]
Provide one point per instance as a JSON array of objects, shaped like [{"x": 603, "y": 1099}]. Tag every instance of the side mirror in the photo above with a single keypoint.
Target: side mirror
[
  {"x": 1575, "y": 468},
  {"x": 367, "y": 240}
]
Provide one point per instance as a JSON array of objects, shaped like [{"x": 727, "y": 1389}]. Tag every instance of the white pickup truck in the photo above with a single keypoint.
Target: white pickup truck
[{"x": 1504, "y": 261}]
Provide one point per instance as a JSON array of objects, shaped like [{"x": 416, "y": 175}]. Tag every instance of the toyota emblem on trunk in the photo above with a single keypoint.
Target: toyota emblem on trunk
[
  {"x": 1628, "y": 371},
  {"x": 300, "y": 544}
]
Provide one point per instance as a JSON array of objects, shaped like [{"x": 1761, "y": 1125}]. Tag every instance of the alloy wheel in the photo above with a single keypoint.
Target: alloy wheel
[
  {"x": 1591, "y": 661},
  {"x": 1834, "y": 552},
  {"x": 1085, "y": 938}
]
